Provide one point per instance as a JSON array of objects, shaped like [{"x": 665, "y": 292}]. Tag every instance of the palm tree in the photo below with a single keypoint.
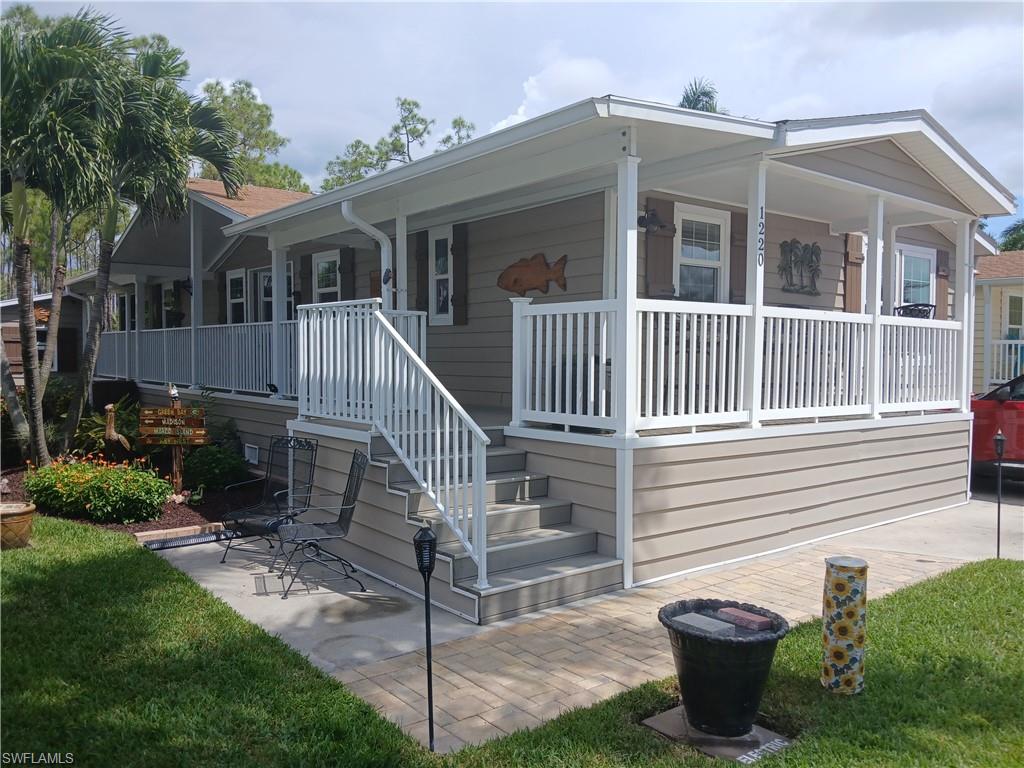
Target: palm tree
[
  {"x": 148, "y": 155},
  {"x": 1013, "y": 237},
  {"x": 56, "y": 90},
  {"x": 702, "y": 95}
]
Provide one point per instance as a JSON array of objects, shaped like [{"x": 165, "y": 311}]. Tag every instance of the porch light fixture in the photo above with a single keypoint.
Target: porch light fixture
[
  {"x": 999, "y": 443},
  {"x": 650, "y": 222},
  {"x": 387, "y": 276},
  {"x": 186, "y": 285},
  {"x": 425, "y": 543}
]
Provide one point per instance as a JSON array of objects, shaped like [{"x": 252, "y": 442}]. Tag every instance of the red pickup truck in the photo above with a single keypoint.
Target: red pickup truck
[{"x": 1001, "y": 409}]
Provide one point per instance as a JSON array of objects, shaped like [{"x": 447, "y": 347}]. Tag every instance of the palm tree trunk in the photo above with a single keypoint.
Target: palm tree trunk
[
  {"x": 59, "y": 273},
  {"x": 29, "y": 354},
  {"x": 10, "y": 392},
  {"x": 100, "y": 299}
]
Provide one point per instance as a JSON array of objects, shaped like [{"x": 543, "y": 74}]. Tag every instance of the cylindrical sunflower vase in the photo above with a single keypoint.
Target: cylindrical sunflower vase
[{"x": 844, "y": 625}]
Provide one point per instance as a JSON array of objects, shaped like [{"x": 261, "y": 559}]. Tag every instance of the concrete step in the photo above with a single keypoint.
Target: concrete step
[
  {"x": 507, "y": 517},
  {"x": 499, "y": 459},
  {"x": 543, "y": 585},
  {"x": 519, "y": 549},
  {"x": 500, "y": 486}
]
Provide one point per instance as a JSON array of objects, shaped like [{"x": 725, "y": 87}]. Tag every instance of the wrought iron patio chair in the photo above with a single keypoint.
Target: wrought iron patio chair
[
  {"x": 309, "y": 538},
  {"x": 919, "y": 311},
  {"x": 288, "y": 459}
]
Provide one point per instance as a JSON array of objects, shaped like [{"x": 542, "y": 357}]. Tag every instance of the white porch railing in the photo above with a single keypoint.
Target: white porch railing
[
  {"x": 116, "y": 355},
  {"x": 815, "y": 363},
  {"x": 334, "y": 360},
  {"x": 165, "y": 355},
  {"x": 691, "y": 363},
  {"x": 236, "y": 357},
  {"x": 693, "y": 369},
  {"x": 561, "y": 362},
  {"x": 919, "y": 360},
  {"x": 1007, "y": 357},
  {"x": 444, "y": 450}
]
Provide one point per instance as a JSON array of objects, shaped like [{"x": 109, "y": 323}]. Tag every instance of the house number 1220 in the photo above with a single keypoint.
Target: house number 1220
[{"x": 760, "y": 237}]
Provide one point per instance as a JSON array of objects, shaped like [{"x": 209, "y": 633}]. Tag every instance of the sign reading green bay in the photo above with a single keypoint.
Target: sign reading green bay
[{"x": 173, "y": 426}]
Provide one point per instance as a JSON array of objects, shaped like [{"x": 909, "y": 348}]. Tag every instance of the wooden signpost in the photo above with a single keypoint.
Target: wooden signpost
[{"x": 175, "y": 426}]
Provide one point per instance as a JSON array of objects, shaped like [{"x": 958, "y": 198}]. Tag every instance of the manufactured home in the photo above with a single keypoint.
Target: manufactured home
[
  {"x": 999, "y": 320},
  {"x": 599, "y": 348}
]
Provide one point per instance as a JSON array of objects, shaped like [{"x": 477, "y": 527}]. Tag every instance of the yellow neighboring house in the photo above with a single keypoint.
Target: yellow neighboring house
[{"x": 999, "y": 319}]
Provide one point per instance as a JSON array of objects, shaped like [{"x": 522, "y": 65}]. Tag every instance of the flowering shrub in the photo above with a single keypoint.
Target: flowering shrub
[{"x": 98, "y": 490}]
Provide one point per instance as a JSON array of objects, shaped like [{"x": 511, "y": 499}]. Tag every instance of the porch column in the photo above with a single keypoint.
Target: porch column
[
  {"x": 987, "y": 343},
  {"x": 962, "y": 301},
  {"x": 400, "y": 277},
  {"x": 279, "y": 304},
  {"x": 139, "y": 301},
  {"x": 196, "y": 303},
  {"x": 753, "y": 351},
  {"x": 626, "y": 366},
  {"x": 891, "y": 293},
  {"x": 873, "y": 301}
]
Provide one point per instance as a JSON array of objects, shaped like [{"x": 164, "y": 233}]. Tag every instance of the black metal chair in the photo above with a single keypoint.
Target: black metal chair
[
  {"x": 288, "y": 459},
  {"x": 308, "y": 538},
  {"x": 919, "y": 311}
]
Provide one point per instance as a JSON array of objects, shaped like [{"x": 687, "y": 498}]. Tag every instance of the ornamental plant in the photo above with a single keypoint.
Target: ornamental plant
[
  {"x": 212, "y": 467},
  {"x": 97, "y": 490}
]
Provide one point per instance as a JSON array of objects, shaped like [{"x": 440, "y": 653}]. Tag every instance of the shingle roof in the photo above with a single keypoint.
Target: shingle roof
[
  {"x": 1006, "y": 264},
  {"x": 251, "y": 200}
]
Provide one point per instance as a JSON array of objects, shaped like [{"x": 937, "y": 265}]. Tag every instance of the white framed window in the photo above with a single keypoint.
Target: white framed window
[
  {"x": 1013, "y": 316},
  {"x": 235, "y": 289},
  {"x": 327, "y": 277},
  {"x": 702, "y": 253},
  {"x": 915, "y": 282},
  {"x": 262, "y": 281},
  {"x": 170, "y": 316},
  {"x": 440, "y": 283}
]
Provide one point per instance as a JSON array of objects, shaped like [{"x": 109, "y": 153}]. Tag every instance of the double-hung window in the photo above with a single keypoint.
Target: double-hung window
[
  {"x": 327, "y": 277},
  {"x": 235, "y": 287},
  {"x": 1013, "y": 322},
  {"x": 702, "y": 253},
  {"x": 916, "y": 275},
  {"x": 440, "y": 283}
]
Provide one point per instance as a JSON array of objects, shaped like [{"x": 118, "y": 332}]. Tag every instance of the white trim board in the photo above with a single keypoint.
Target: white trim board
[
  {"x": 193, "y": 393},
  {"x": 805, "y": 543},
  {"x": 329, "y": 430},
  {"x": 729, "y": 435}
]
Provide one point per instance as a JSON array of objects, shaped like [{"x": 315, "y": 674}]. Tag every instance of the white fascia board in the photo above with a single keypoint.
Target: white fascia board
[
  {"x": 986, "y": 242},
  {"x": 223, "y": 255},
  {"x": 528, "y": 129},
  {"x": 633, "y": 109},
  {"x": 828, "y": 131},
  {"x": 233, "y": 215},
  {"x": 1012, "y": 282}
]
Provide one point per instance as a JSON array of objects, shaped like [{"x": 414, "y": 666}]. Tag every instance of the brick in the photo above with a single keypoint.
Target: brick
[{"x": 745, "y": 619}]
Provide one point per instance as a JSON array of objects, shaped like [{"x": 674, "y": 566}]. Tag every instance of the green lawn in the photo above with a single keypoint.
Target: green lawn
[{"x": 113, "y": 655}]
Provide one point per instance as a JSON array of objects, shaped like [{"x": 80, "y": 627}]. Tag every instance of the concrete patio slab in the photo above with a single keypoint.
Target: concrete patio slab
[{"x": 493, "y": 680}]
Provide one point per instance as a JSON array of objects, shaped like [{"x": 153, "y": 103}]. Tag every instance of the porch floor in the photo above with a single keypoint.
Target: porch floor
[{"x": 516, "y": 674}]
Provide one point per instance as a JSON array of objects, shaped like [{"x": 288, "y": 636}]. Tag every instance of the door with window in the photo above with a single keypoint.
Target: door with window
[
  {"x": 235, "y": 288},
  {"x": 916, "y": 279},
  {"x": 263, "y": 289},
  {"x": 701, "y": 248},
  {"x": 440, "y": 309}
]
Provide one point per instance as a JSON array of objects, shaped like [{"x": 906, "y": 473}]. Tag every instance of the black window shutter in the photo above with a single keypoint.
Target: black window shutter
[
  {"x": 422, "y": 271},
  {"x": 347, "y": 274},
  {"x": 460, "y": 274}
]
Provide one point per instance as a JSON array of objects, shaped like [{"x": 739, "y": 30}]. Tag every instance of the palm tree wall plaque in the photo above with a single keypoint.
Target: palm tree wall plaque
[{"x": 799, "y": 267}]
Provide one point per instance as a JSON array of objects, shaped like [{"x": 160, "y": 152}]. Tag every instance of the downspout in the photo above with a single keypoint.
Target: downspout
[{"x": 386, "y": 271}]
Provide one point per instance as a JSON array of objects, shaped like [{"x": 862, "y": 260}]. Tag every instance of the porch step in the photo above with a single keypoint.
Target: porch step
[
  {"x": 380, "y": 447},
  {"x": 508, "y": 517},
  {"x": 499, "y": 459},
  {"x": 500, "y": 486},
  {"x": 519, "y": 549}
]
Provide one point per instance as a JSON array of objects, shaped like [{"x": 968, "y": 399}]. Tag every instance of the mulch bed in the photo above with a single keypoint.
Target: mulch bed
[{"x": 174, "y": 515}]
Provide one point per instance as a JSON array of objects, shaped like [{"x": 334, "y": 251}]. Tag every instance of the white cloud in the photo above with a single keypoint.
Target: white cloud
[{"x": 562, "y": 80}]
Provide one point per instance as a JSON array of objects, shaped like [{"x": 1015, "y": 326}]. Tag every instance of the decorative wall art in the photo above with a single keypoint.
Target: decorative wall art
[
  {"x": 800, "y": 267},
  {"x": 533, "y": 274}
]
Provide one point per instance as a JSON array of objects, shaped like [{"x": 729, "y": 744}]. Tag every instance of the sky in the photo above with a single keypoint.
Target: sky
[{"x": 331, "y": 71}]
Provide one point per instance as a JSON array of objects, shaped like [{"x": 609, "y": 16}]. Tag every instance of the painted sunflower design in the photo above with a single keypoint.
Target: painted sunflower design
[
  {"x": 843, "y": 630},
  {"x": 859, "y": 638},
  {"x": 827, "y": 673},
  {"x": 840, "y": 587},
  {"x": 850, "y": 613},
  {"x": 848, "y": 682},
  {"x": 838, "y": 655}
]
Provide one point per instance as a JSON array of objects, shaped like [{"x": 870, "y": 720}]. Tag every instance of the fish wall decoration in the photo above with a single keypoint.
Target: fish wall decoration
[{"x": 533, "y": 274}]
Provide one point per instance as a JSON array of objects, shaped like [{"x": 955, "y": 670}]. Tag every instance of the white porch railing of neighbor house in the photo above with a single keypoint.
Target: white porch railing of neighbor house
[
  {"x": 815, "y": 363},
  {"x": 1006, "y": 357},
  {"x": 561, "y": 356},
  {"x": 691, "y": 363},
  {"x": 116, "y": 355},
  {"x": 165, "y": 355},
  {"x": 692, "y": 367},
  {"x": 919, "y": 359}
]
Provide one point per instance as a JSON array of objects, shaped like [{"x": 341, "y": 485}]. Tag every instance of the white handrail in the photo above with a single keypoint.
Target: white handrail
[{"x": 434, "y": 437}]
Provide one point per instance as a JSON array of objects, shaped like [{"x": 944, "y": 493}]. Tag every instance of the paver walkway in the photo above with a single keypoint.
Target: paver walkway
[{"x": 522, "y": 672}]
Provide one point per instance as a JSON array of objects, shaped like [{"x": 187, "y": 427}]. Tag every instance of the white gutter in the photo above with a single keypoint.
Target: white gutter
[{"x": 386, "y": 271}]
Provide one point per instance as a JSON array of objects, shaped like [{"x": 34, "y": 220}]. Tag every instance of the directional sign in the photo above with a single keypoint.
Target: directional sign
[
  {"x": 199, "y": 413},
  {"x": 173, "y": 426},
  {"x": 172, "y": 440}
]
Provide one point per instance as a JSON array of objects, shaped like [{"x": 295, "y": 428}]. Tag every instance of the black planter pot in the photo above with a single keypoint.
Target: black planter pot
[{"x": 721, "y": 678}]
